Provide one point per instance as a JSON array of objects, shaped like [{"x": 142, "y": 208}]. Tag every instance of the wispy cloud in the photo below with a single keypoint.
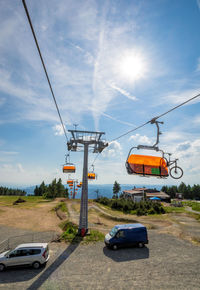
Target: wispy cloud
[
  {"x": 181, "y": 96},
  {"x": 123, "y": 92}
]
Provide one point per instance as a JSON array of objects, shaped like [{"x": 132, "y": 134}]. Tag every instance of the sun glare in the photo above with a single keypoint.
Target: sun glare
[{"x": 132, "y": 66}]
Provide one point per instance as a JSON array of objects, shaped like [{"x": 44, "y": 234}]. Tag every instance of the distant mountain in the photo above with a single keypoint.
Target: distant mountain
[
  {"x": 30, "y": 189},
  {"x": 104, "y": 189}
]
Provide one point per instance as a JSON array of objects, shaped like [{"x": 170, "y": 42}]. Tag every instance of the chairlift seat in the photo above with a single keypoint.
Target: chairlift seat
[
  {"x": 147, "y": 165},
  {"x": 91, "y": 175},
  {"x": 69, "y": 168},
  {"x": 70, "y": 181}
]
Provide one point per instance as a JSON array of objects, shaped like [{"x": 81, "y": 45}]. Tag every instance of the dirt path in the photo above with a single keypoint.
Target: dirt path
[
  {"x": 38, "y": 218},
  {"x": 179, "y": 225},
  {"x": 191, "y": 210}
]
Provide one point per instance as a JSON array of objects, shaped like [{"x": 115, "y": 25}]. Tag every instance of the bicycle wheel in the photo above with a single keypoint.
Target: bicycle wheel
[{"x": 176, "y": 172}]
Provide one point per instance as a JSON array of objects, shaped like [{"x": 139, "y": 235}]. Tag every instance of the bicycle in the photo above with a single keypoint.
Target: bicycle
[{"x": 175, "y": 172}]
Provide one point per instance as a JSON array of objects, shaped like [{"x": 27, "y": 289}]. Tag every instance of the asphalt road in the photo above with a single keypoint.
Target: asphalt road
[{"x": 166, "y": 263}]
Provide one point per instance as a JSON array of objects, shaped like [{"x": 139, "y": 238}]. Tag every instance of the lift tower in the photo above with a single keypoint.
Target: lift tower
[{"x": 87, "y": 140}]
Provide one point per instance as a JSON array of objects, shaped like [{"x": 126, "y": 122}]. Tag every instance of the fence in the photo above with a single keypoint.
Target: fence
[{"x": 38, "y": 237}]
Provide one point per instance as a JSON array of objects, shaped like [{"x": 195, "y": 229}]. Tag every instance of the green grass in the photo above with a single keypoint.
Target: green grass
[
  {"x": 31, "y": 201},
  {"x": 193, "y": 204},
  {"x": 174, "y": 209},
  {"x": 70, "y": 231},
  {"x": 62, "y": 206}
]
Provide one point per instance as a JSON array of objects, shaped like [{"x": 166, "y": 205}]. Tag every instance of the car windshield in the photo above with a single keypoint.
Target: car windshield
[{"x": 113, "y": 231}]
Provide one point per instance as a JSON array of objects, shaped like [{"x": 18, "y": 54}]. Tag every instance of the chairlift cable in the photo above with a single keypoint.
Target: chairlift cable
[
  {"x": 45, "y": 70},
  {"x": 155, "y": 118}
]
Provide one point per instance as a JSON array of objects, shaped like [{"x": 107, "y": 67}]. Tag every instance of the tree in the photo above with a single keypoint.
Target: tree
[
  {"x": 36, "y": 191},
  {"x": 116, "y": 189}
]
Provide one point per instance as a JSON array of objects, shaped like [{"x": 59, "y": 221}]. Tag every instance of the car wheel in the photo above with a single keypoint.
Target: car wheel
[
  {"x": 115, "y": 247},
  {"x": 36, "y": 265},
  {"x": 140, "y": 245},
  {"x": 2, "y": 267}
]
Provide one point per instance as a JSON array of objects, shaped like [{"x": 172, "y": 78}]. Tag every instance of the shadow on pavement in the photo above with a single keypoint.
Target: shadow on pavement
[
  {"x": 19, "y": 274},
  {"x": 61, "y": 259},
  {"x": 127, "y": 254}
]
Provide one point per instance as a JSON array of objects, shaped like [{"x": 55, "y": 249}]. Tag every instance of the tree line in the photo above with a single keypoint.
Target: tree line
[
  {"x": 188, "y": 192},
  {"x": 55, "y": 189},
  {"x": 11, "y": 191},
  {"x": 145, "y": 207}
]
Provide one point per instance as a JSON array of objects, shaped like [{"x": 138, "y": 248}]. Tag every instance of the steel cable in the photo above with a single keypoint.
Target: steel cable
[{"x": 39, "y": 51}]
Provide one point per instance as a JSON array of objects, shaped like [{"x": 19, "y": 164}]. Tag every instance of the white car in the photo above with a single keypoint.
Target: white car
[{"x": 32, "y": 254}]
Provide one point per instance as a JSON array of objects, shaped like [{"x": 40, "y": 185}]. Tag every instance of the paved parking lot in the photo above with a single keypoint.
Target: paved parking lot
[{"x": 166, "y": 263}]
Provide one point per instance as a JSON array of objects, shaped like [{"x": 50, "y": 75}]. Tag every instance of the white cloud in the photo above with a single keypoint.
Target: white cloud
[
  {"x": 114, "y": 149},
  {"x": 18, "y": 174},
  {"x": 58, "y": 130},
  {"x": 140, "y": 140}
]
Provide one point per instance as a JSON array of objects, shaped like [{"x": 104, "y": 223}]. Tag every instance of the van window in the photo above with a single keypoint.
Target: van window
[
  {"x": 34, "y": 251},
  {"x": 121, "y": 234},
  {"x": 22, "y": 253},
  {"x": 113, "y": 231}
]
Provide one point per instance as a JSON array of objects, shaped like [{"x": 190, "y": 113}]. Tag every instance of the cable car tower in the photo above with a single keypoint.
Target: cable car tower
[{"x": 85, "y": 140}]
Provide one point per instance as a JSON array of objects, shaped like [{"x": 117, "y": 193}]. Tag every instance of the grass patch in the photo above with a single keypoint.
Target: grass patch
[
  {"x": 70, "y": 231},
  {"x": 174, "y": 209},
  {"x": 31, "y": 201},
  {"x": 94, "y": 236},
  {"x": 61, "y": 206},
  {"x": 193, "y": 204}
]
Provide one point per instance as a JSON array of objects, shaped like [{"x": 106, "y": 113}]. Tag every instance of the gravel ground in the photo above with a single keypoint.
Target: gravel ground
[
  {"x": 166, "y": 263},
  {"x": 7, "y": 232}
]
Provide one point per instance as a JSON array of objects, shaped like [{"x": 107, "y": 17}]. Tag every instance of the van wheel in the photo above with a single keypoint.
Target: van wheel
[
  {"x": 36, "y": 265},
  {"x": 2, "y": 267},
  {"x": 140, "y": 245},
  {"x": 115, "y": 247}
]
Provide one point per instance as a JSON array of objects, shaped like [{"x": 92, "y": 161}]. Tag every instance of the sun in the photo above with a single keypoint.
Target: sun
[{"x": 132, "y": 66}]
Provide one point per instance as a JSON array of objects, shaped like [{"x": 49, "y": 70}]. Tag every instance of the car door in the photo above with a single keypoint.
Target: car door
[
  {"x": 24, "y": 257},
  {"x": 13, "y": 258},
  {"x": 121, "y": 238}
]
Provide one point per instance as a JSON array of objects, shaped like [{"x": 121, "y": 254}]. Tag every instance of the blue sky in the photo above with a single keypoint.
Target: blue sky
[{"x": 113, "y": 65}]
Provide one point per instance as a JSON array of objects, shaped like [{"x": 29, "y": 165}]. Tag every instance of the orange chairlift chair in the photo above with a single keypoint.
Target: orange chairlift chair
[
  {"x": 91, "y": 174},
  {"x": 68, "y": 167},
  {"x": 146, "y": 165}
]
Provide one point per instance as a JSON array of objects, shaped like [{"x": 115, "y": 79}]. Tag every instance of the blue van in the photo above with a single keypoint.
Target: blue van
[{"x": 127, "y": 235}]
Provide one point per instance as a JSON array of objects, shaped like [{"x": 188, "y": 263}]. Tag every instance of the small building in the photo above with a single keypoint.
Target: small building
[
  {"x": 179, "y": 195},
  {"x": 136, "y": 194}
]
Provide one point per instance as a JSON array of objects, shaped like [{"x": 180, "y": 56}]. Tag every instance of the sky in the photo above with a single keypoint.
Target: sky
[{"x": 113, "y": 65}]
